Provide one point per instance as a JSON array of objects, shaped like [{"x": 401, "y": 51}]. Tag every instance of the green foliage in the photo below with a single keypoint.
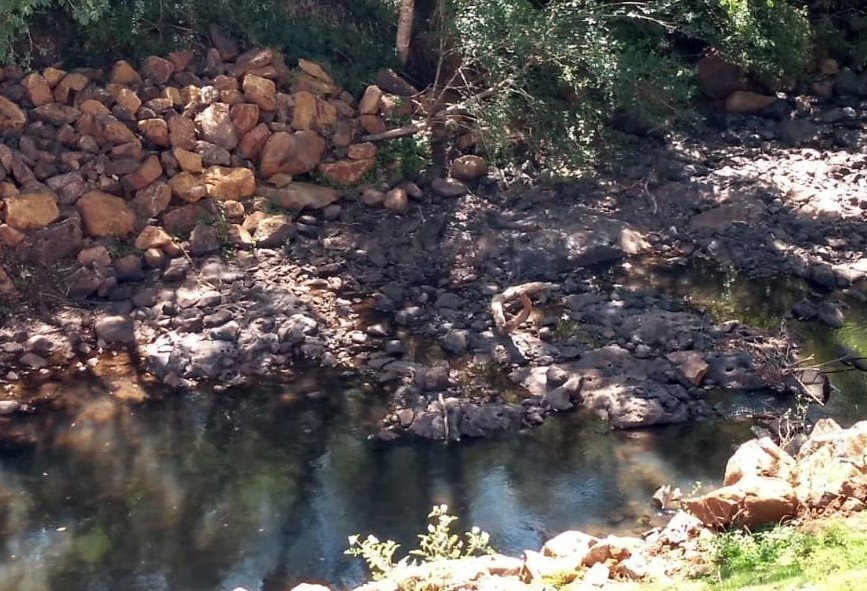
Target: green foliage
[
  {"x": 785, "y": 557},
  {"x": 436, "y": 544},
  {"x": 841, "y": 28},
  {"x": 404, "y": 157}
]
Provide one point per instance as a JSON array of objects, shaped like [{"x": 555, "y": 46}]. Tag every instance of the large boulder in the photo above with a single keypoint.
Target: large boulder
[
  {"x": 750, "y": 502},
  {"x": 105, "y": 215},
  {"x": 759, "y": 457},
  {"x": 832, "y": 465},
  {"x": 291, "y": 153}
]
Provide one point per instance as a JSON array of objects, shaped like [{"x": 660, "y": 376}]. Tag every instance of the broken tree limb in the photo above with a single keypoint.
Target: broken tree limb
[{"x": 521, "y": 292}]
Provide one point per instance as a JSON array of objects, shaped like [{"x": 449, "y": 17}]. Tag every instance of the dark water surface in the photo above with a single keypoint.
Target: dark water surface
[
  {"x": 261, "y": 489},
  {"x": 210, "y": 492}
]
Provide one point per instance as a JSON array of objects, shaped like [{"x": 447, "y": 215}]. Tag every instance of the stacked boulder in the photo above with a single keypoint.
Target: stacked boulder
[
  {"x": 202, "y": 148},
  {"x": 764, "y": 484}
]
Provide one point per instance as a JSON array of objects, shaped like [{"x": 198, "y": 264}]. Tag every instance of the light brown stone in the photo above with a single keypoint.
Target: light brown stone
[
  {"x": 94, "y": 107},
  {"x": 153, "y": 199},
  {"x": 123, "y": 73},
  {"x": 128, "y": 100},
  {"x": 157, "y": 69},
  {"x": 188, "y": 187},
  {"x": 311, "y": 112},
  {"x": 215, "y": 124},
  {"x": 245, "y": 117},
  {"x": 53, "y": 75},
  {"x": 181, "y": 60},
  {"x": 12, "y": 118},
  {"x": 152, "y": 237},
  {"x": 182, "y": 132},
  {"x": 298, "y": 196},
  {"x": 369, "y": 104},
  {"x": 315, "y": 70},
  {"x": 260, "y": 91},
  {"x": 396, "y": 200},
  {"x": 95, "y": 256},
  {"x": 468, "y": 168},
  {"x": 253, "y": 141},
  {"x": 74, "y": 82},
  {"x": 372, "y": 197},
  {"x": 188, "y": 161},
  {"x": 745, "y": 101},
  {"x": 150, "y": 170},
  {"x": 291, "y": 153},
  {"x": 28, "y": 211},
  {"x": 691, "y": 365},
  {"x": 223, "y": 183},
  {"x": 751, "y": 502},
  {"x": 56, "y": 113},
  {"x": 156, "y": 131},
  {"x": 11, "y": 237},
  {"x": 372, "y": 123},
  {"x": 115, "y": 132},
  {"x": 346, "y": 172},
  {"x": 232, "y": 97},
  {"x": 105, "y": 215},
  {"x": 273, "y": 230},
  {"x": 37, "y": 90},
  {"x": 362, "y": 151},
  {"x": 172, "y": 95},
  {"x": 758, "y": 457},
  {"x": 7, "y": 286}
]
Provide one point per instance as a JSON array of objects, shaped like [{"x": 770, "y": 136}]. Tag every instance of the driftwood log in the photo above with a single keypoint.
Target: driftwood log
[{"x": 520, "y": 292}]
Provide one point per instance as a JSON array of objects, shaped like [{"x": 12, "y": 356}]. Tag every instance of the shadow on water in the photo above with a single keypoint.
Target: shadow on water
[{"x": 261, "y": 489}]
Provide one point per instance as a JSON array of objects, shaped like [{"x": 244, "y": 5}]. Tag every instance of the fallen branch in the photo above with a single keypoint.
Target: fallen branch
[{"x": 522, "y": 292}]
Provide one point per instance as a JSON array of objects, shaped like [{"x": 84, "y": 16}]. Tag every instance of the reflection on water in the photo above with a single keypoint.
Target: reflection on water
[{"x": 211, "y": 492}]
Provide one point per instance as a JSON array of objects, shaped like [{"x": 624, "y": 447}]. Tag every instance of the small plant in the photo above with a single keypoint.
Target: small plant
[
  {"x": 404, "y": 157},
  {"x": 436, "y": 544}
]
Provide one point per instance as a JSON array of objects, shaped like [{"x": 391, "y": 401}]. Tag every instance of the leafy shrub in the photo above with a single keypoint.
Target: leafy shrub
[{"x": 437, "y": 543}]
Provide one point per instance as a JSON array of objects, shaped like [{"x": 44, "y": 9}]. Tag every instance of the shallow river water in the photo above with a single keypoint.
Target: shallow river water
[{"x": 260, "y": 489}]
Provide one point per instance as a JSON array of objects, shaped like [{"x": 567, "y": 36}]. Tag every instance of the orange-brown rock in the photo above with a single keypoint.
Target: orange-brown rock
[
  {"x": 173, "y": 96},
  {"x": 152, "y": 237},
  {"x": 216, "y": 126},
  {"x": 298, "y": 196},
  {"x": 123, "y": 73},
  {"x": 369, "y": 104},
  {"x": 12, "y": 118},
  {"x": 115, "y": 132},
  {"x": 744, "y": 101},
  {"x": 56, "y": 113},
  {"x": 291, "y": 153},
  {"x": 188, "y": 161},
  {"x": 257, "y": 57},
  {"x": 372, "y": 123},
  {"x": 223, "y": 82},
  {"x": 253, "y": 141},
  {"x": 94, "y": 107},
  {"x": 153, "y": 199},
  {"x": 232, "y": 97},
  {"x": 315, "y": 70},
  {"x": 304, "y": 82},
  {"x": 157, "y": 70},
  {"x": 311, "y": 112},
  {"x": 758, "y": 457},
  {"x": 346, "y": 172},
  {"x": 128, "y": 99},
  {"x": 224, "y": 183},
  {"x": 74, "y": 82},
  {"x": 11, "y": 237},
  {"x": 7, "y": 286},
  {"x": 53, "y": 76},
  {"x": 245, "y": 117},
  {"x": 149, "y": 171},
  {"x": 37, "y": 90},
  {"x": 362, "y": 151},
  {"x": 182, "y": 132},
  {"x": 188, "y": 187},
  {"x": 181, "y": 219},
  {"x": 260, "y": 91},
  {"x": 343, "y": 109},
  {"x": 750, "y": 502},
  {"x": 395, "y": 106},
  {"x": 181, "y": 60},
  {"x": 132, "y": 150},
  {"x": 105, "y": 215},
  {"x": 234, "y": 210},
  {"x": 156, "y": 131},
  {"x": 396, "y": 200},
  {"x": 28, "y": 211}
]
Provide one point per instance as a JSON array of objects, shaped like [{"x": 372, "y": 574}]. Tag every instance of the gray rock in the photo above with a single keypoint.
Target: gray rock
[
  {"x": 33, "y": 361},
  {"x": 830, "y": 314},
  {"x": 848, "y": 83},
  {"x": 454, "y": 341},
  {"x": 448, "y": 187},
  {"x": 204, "y": 240},
  {"x": 115, "y": 330}
]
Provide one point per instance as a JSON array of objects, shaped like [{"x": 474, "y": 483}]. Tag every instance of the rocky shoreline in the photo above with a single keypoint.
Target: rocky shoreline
[{"x": 199, "y": 252}]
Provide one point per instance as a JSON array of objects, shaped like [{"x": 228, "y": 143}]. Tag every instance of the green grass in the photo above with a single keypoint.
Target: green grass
[{"x": 833, "y": 558}]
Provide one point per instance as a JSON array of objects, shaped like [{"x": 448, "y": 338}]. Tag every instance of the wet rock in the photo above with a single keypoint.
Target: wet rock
[
  {"x": 805, "y": 310},
  {"x": 830, "y": 314}
]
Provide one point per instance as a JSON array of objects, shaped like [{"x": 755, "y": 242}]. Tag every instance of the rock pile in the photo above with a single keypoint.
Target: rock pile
[
  {"x": 765, "y": 484},
  {"x": 206, "y": 148}
]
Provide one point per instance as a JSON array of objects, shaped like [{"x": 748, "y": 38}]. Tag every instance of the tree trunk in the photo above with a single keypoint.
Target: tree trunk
[{"x": 404, "y": 29}]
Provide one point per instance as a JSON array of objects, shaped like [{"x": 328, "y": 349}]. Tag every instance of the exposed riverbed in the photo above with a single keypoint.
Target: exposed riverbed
[{"x": 260, "y": 488}]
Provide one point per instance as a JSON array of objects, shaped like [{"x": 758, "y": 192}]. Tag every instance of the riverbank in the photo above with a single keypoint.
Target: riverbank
[
  {"x": 227, "y": 268},
  {"x": 825, "y": 480}
]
